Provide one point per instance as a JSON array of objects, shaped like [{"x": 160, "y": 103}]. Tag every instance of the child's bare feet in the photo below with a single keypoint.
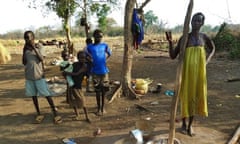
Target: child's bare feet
[
  {"x": 103, "y": 111},
  {"x": 88, "y": 120},
  {"x": 98, "y": 113}
]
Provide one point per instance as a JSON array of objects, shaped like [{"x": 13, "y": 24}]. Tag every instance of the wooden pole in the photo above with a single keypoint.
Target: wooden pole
[
  {"x": 236, "y": 137},
  {"x": 179, "y": 73},
  {"x": 86, "y": 19}
]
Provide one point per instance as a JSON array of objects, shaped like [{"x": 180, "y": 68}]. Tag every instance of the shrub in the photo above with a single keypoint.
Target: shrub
[{"x": 227, "y": 40}]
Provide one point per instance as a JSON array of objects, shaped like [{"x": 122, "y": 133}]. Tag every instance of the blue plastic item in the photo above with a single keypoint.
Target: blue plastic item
[
  {"x": 69, "y": 141},
  {"x": 169, "y": 93}
]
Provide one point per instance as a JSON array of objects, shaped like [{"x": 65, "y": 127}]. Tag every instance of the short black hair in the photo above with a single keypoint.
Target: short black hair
[
  {"x": 80, "y": 54},
  {"x": 28, "y": 32},
  {"x": 97, "y": 32},
  {"x": 200, "y": 14}
]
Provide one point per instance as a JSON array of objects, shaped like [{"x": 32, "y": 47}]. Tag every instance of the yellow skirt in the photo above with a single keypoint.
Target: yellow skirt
[{"x": 193, "y": 91}]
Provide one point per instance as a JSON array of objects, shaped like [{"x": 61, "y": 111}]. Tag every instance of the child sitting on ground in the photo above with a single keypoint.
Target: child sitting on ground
[{"x": 76, "y": 97}]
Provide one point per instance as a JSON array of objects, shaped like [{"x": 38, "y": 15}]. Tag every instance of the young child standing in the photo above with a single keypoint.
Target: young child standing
[
  {"x": 36, "y": 84},
  {"x": 76, "y": 97},
  {"x": 99, "y": 52}
]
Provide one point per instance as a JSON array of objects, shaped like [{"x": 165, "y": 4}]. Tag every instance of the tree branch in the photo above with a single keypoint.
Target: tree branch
[{"x": 144, "y": 4}]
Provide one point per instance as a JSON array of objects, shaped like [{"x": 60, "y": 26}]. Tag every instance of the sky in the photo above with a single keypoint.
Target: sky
[{"x": 15, "y": 15}]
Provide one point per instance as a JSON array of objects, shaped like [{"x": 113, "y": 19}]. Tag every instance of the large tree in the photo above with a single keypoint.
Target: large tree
[
  {"x": 65, "y": 9},
  {"x": 128, "y": 47},
  {"x": 128, "y": 57}
]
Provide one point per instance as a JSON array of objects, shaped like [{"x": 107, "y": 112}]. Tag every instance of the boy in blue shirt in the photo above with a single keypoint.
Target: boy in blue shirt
[{"x": 99, "y": 52}]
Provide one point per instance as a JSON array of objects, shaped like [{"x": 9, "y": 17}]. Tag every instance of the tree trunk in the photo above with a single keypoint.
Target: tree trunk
[
  {"x": 128, "y": 49},
  {"x": 68, "y": 35},
  {"x": 85, "y": 15}
]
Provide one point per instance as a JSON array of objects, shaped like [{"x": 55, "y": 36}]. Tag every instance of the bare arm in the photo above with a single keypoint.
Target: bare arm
[
  {"x": 39, "y": 55},
  {"x": 108, "y": 52},
  {"x": 211, "y": 48},
  {"x": 81, "y": 70},
  {"x": 172, "y": 52}
]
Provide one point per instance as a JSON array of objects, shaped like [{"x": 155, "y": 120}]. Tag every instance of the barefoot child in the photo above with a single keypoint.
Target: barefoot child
[
  {"x": 76, "y": 97},
  {"x": 99, "y": 52}
]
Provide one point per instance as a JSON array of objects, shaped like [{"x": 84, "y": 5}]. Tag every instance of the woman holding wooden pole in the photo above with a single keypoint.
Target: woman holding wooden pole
[{"x": 193, "y": 88}]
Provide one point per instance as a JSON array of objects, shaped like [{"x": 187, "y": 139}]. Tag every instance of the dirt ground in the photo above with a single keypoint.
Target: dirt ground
[{"x": 17, "y": 111}]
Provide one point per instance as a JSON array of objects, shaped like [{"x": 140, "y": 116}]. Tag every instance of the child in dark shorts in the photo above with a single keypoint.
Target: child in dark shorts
[
  {"x": 76, "y": 97},
  {"x": 99, "y": 52}
]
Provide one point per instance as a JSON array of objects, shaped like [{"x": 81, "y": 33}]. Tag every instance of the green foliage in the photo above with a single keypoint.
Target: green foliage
[
  {"x": 225, "y": 40},
  {"x": 150, "y": 19},
  {"x": 63, "y": 8},
  {"x": 235, "y": 51},
  {"x": 152, "y": 24},
  {"x": 101, "y": 10},
  {"x": 114, "y": 31}
]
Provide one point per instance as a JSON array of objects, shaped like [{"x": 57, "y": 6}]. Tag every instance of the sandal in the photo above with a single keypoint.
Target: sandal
[
  {"x": 57, "y": 119},
  {"x": 39, "y": 119}
]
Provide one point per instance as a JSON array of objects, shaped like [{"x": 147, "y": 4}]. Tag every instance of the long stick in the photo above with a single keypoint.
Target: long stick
[
  {"x": 235, "y": 137},
  {"x": 179, "y": 72}
]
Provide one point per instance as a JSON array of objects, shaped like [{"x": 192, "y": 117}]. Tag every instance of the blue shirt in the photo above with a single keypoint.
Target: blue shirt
[{"x": 99, "y": 53}]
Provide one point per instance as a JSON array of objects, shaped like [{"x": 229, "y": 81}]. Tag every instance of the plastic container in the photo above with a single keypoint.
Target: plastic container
[{"x": 142, "y": 85}]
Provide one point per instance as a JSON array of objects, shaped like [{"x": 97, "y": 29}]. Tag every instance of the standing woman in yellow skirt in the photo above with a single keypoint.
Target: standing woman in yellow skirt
[{"x": 193, "y": 91}]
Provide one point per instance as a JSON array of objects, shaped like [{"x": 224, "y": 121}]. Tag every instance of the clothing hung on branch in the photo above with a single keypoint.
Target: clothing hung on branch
[{"x": 137, "y": 29}]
